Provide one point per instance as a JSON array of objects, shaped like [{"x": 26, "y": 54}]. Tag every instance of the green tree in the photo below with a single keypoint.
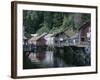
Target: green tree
[
  {"x": 45, "y": 21},
  {"x": 57, "y": 19}
]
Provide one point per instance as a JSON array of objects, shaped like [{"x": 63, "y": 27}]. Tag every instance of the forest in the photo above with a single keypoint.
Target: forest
[{"x": 50, "y": 22}]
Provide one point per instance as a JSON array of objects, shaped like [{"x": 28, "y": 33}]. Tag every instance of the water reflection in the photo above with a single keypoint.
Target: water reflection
[{"x": 50, "y": 57}]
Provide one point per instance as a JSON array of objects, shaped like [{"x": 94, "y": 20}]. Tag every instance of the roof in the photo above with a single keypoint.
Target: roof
[
  {"x": 48, "y": 35},
  {"x": 33, "y": 35},
  {"x": 57, "y": 33},
  {"x": 70, "y": 32},
  {"x": 38, "y": 37},
  {"x": 84, "y": 25}
]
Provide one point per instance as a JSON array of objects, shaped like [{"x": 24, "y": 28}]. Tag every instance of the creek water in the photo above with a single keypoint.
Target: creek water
[{"x": 53, "y": 57}]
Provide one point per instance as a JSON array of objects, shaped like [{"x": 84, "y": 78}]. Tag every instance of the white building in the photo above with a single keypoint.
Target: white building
[{"x": 49, "y": 39}]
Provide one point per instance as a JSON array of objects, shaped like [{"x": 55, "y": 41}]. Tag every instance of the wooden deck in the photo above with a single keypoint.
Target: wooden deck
[
  {"x": 80, "y": 45},
  {"x": 83, "y": 44}
]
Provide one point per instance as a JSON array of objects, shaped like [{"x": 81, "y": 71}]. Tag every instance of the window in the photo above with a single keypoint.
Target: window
[{"x": 82, "y": 39}]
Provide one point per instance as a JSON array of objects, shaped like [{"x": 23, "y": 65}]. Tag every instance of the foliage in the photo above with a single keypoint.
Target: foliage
[
  {"x": 42, "y": 30},
  {"x": 45, "y": 21}
]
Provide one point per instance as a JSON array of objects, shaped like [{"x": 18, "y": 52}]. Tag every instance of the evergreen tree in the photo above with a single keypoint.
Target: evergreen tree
[{"x": 45, "y": 21}]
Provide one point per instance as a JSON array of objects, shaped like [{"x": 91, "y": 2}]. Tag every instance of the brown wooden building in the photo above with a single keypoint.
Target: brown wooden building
[
  {"x": 41, "y": 42},
  {"x": 84, "y": 30}
]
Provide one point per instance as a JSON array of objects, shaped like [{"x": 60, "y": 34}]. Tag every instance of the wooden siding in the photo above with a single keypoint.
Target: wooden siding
[
  {"x": 41, "y": 42},
  {"x": 83, "y": 33}
]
